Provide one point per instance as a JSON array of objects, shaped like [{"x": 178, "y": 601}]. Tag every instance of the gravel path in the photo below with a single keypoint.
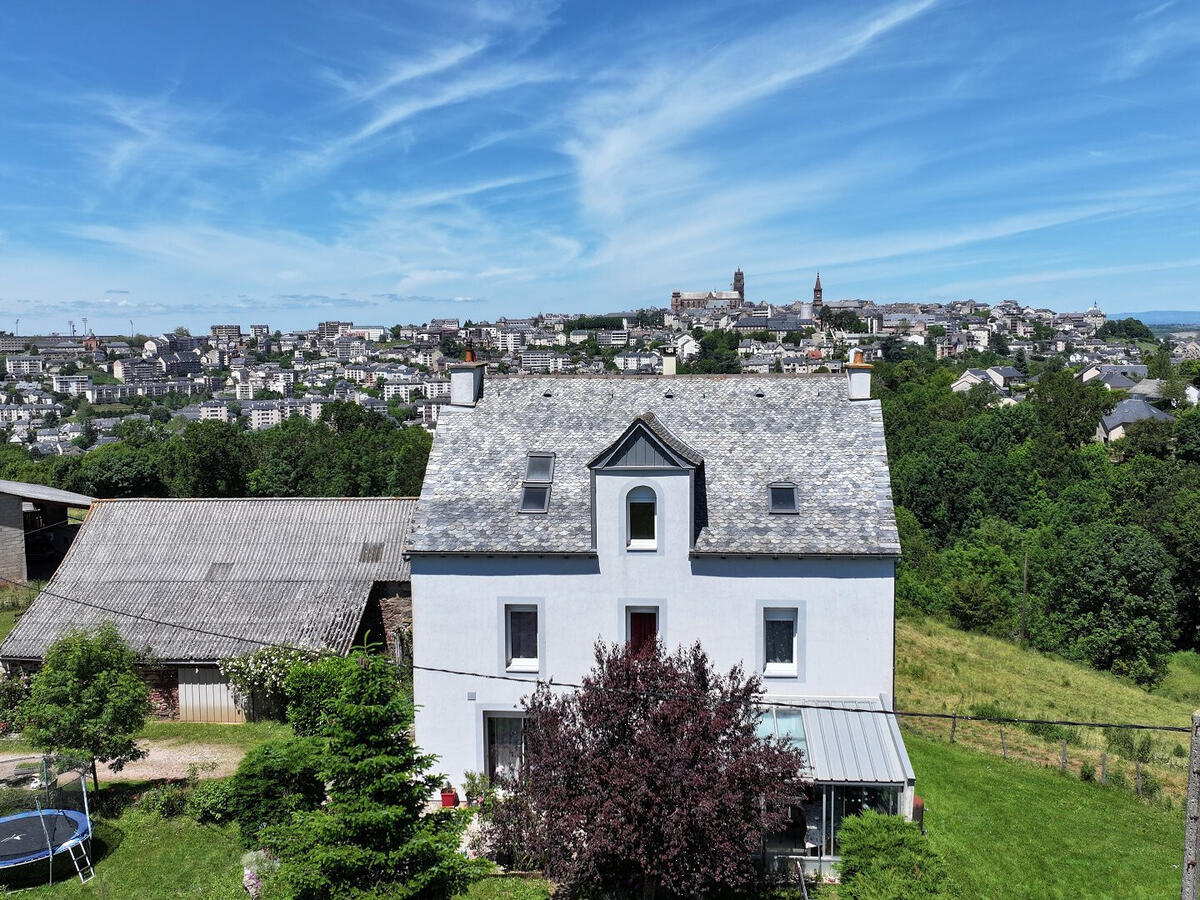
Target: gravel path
[{"x": 171, "y": 760}]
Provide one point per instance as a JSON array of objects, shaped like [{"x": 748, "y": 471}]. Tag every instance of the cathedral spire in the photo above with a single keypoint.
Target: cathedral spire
[{"x": 817, "y": 289}]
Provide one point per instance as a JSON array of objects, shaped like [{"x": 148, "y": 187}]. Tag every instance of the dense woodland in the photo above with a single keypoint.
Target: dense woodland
[
  {"x": 1014, "y": 522},
  {"x": 350, "y": 452}
]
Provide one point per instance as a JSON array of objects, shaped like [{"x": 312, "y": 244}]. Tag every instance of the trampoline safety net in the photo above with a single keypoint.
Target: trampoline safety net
[{"x": 43, "y": 812}]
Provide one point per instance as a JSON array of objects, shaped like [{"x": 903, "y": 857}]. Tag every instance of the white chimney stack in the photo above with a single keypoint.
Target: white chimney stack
[
  {"x": 466, "y": 383},
  {"x": 668, "y": 360},
  {"x": 858, "y": 374}
]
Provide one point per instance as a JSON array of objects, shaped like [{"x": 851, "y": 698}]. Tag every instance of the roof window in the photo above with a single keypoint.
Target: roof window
[
  {"x": 535, "y": 489},
  {"x": 782, "y": 498},
  {"x": 539, "y": 467},
  {"x": 535, "y": 498}
]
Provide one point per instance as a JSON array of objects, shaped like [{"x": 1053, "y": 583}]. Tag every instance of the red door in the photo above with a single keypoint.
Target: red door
[{"x": 643, "y": 630}]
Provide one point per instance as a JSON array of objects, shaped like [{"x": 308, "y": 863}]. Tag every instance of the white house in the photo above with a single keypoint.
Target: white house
[{"x": 750, "y": 513}]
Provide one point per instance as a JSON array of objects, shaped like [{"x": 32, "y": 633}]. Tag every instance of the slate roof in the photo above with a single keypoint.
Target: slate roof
[
  {"x": 749, "y": 430},
  {"x": 294, "y": 571},
  {"x": 1133, "y": 410}
]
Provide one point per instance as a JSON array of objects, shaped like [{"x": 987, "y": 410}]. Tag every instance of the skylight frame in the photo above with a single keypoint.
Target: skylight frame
[
  {"x": 530, "y": 477},
  {"x": 777, "y": 510},
  {"x": 527, "y": 508}
]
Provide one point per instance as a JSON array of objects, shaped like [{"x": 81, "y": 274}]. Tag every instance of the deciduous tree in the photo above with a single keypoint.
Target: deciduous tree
[
  {"x": 89, "y": 699},
  {"x": 651, "y": 779}
]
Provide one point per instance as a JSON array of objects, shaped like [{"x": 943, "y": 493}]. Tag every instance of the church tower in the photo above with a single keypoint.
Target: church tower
[
  {"x": 817, "y": 290},
  {"x": 739, "y": 283}
]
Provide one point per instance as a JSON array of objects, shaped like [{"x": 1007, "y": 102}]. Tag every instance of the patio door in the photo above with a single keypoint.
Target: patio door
[{"x": 504, "y": 739}]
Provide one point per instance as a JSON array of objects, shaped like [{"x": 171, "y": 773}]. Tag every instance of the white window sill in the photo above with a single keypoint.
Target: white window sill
[
  {"x": 779, "y": 670},
  {"x": 523, "y": 665},
  {"x": 641, "y": 546}
]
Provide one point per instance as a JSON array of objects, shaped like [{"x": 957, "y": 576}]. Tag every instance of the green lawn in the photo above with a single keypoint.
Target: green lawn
[
  {"x": 244, "y": 735},
  {"x": 138, "y": 856},
  {"x": 1012, "y": 829}
]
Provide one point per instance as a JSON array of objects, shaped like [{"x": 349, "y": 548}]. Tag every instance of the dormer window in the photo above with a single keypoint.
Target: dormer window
[
  {"x": 782, "y": 498},
  {"x": 642, "y": 517},
  {"x": 535, "y": 490}
]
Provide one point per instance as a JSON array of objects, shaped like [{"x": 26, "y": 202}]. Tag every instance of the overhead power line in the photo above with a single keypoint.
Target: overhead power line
[{"x": 551, "y": 682}]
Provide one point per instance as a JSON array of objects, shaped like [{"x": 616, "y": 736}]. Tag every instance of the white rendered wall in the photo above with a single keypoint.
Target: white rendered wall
[{"x": 844, "y": 606}]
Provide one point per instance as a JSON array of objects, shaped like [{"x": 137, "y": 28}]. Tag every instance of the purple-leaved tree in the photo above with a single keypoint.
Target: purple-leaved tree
[{"x": 649, "y": 781}]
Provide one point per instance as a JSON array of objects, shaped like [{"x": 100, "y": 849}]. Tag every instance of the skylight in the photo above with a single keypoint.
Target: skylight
[
  {"x": 535, "y": 498},
  {"x": 539, "y": 467},
  {"x": 535, "y": 489},
  {"x": 783, "y": 498}
]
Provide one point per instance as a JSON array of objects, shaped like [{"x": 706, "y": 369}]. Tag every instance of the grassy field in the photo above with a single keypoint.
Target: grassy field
[
  {"x": 942, "y": 669},
  {"x": 1009, "y": 829}
]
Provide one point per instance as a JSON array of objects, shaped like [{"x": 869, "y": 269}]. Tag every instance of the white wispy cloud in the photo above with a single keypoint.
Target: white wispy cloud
[{"x": 626, "y": 133}]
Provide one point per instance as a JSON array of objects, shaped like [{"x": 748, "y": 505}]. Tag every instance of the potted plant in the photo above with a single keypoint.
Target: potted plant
[
  {"x": 449, "y": 795},
  {"x": 475, "y": 786}
]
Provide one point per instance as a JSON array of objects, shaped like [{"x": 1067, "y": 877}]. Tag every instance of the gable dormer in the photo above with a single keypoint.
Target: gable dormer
[{"x": 644, "y": 490}]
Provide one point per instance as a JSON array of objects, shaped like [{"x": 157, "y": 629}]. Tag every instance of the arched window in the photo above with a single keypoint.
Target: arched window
[{"x": 642, "y": 518}]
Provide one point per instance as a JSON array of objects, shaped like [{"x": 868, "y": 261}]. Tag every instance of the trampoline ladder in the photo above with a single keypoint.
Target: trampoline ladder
[{"x": 83, "y": 865}]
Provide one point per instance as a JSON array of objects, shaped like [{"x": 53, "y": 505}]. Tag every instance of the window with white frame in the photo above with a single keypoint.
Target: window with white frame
[
  {"x": 779, "y": 642},
  {"x": 641, "y": 515},
  {"x": 521, "y": 638}
]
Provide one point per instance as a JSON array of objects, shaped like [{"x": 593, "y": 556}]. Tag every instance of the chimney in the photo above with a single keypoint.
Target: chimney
[
  {"x": 466, "y": 383},
  {"x": 668, "y": 356},
  {"x": 858, "y": 375}
]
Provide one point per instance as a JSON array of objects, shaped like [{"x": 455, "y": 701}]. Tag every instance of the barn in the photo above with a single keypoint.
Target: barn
[{"x": 191, "y": 582}]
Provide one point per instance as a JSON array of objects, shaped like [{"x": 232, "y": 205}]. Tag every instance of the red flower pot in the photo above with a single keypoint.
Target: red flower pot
[{"x": 450, "y": 798}]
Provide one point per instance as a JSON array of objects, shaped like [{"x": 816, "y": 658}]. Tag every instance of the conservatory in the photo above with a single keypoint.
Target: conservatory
[{"x": 855, "y": 760}]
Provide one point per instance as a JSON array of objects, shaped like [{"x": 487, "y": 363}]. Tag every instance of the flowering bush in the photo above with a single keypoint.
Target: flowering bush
[
  {"x": 14, "y": 691},
  {"x": 259, "y": 676}
]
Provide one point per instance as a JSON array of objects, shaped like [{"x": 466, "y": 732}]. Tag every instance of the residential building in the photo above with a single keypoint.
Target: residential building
[
  {"x": 23, "y": 365},
  {"x": 74, "y": 385},
  {"x": 226, "y": 334},
  {"x": 1113, "y": 426},
  {"x": 752, "y": 514}
]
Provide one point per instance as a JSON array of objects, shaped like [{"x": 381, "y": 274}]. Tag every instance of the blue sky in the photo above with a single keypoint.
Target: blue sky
[{"x": 188, "y": 163}]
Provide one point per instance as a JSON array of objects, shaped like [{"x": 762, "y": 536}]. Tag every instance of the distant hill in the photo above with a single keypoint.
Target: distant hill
[{"x": 1162, "y": 316}]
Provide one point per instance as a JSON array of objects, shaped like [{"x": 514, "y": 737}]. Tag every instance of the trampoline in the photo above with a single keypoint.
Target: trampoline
[{"x": 50, "y": 827}]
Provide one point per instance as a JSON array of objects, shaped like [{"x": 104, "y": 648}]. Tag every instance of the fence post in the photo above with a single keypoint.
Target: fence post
[
  {"x": 1062, "y": 766},
  {"x": 953, "y": 726},
  {"x": 1137, "y": 777},
  {"x": 1104, "y": 768},
  {"x": 1003, "y": 745},
  {"x": 1191, "y": 839}
]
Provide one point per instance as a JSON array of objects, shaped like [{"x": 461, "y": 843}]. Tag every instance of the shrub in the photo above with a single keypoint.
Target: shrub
[
  {"x": 211, "y": 801},
  {"x": 274, "y": 780},
  {"x": 887, "y": 858},
  {"x": 1087, "y": 772},
  {"x": 1117, "y": 779},
  {"x": 259, "y": 676},
  {"x": 166, "y": 800},
  {"x": 14, "y": 691},
  {"x": 312, "y": 689},
  {"x": 1143, "y": 751},
  {"x": 1119, "y": 741},
  {"x": 1056, "y": 733}
]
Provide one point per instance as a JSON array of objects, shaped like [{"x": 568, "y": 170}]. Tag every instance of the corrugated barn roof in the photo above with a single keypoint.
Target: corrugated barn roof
[{"x": 292, "y": 571}]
